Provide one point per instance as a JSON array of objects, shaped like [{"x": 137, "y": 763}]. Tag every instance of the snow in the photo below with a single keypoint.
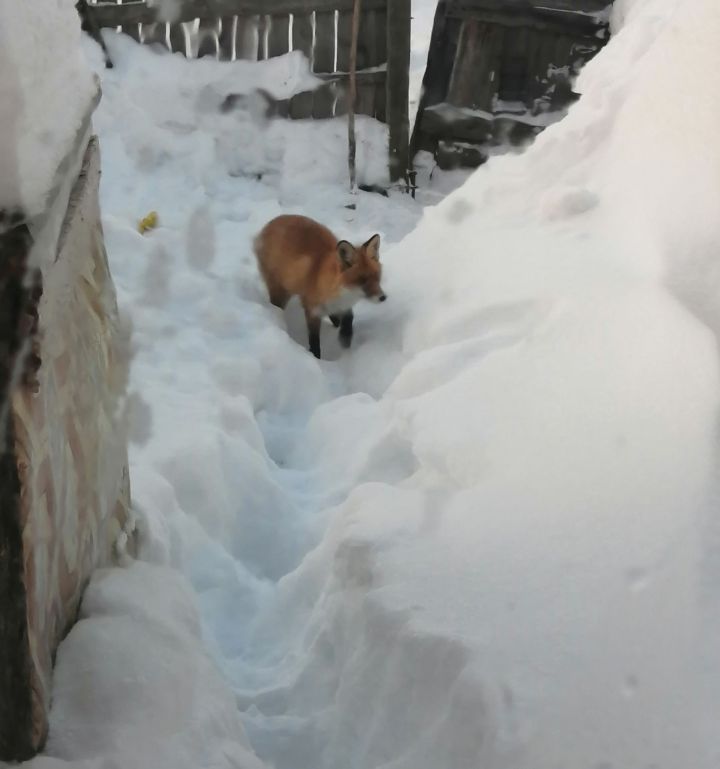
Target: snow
[
  {"x": 45, "y": 96},
  {"x": 485, "y": 535}
]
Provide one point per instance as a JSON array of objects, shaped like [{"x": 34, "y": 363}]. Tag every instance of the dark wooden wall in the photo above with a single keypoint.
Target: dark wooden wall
[
  {"x": 261, "y": 29},
  {"x": 495, "y": 68}
]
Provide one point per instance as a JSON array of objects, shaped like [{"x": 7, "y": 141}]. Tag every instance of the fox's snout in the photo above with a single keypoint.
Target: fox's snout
[{"x": 381, "y": 297}]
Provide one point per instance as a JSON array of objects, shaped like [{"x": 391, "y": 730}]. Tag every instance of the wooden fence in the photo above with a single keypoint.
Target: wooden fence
[
  {"x": 321, "y": 29},
  {"x": 500, "y": 70}
]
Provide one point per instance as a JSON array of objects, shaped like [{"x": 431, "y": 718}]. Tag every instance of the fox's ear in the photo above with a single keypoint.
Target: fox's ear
[
  {"x": 372, "y": 247},
  {"x": 346, "y": 252}
]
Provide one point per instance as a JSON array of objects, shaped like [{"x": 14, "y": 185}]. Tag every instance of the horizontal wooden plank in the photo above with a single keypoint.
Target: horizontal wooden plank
[
  {"x": 543, "y": 19},
  {"x": 107, "y": 14},
  {"x": 449, "y": 123},
  {"x": 596, "y": 8},
  {"x": 375, "y": 75}
]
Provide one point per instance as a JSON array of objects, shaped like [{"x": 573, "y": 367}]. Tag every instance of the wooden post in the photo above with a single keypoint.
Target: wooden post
[
  {"x": 19, "y": 738},
  {"x": 353, "y": 95},
  {"x": 398, "y": 85}
]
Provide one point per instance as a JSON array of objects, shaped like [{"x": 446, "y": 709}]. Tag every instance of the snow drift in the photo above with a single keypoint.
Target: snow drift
[
  {"x": 529, "y": 589},
  {"x": 46, "y": 89}
]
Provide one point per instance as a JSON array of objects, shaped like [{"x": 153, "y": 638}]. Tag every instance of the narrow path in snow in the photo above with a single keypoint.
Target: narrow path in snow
[{"x": 232, "y": 483}]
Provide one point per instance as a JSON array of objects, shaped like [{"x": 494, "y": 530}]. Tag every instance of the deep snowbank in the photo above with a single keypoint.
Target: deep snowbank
[
  {"x": 530, "y": 589},
  {"x": 133, "y": 686},
  {"x": 45, "y": 91}
]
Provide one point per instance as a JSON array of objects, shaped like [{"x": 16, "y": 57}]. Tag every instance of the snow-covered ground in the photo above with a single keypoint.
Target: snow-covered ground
[{"x": 485, "y": 536}]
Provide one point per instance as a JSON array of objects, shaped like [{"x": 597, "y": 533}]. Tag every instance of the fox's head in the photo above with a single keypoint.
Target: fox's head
[{"x": 361, "y": 268}]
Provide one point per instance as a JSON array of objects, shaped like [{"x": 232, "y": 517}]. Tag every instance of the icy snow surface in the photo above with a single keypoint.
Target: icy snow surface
[
  {"x": 45, "y": 91},
  {"x": 485, "y": 536}
]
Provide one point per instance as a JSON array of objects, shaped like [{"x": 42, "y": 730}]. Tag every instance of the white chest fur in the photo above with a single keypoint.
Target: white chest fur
[{"x": 343, "y": 302}]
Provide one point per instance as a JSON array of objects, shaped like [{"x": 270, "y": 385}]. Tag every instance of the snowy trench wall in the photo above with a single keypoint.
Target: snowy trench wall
[{"x": 64, "y": 489}]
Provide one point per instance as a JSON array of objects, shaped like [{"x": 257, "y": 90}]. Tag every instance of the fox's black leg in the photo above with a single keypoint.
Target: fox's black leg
[
  {"x": 335, "y": 320},
  {"x": 346, "y": 329},
  {"x": 313, "y": 327}
]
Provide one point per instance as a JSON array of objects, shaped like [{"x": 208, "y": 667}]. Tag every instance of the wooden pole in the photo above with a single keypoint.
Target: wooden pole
[
  {"x": 398, "y": 74},
  {"x": 352, "y": 145}
]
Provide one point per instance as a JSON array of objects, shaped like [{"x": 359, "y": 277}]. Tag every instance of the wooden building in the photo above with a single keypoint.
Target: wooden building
[{"x": 499, "y": 71}]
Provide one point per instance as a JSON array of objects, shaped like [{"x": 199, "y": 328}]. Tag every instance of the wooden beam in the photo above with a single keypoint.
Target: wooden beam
[
  {"x": 107, "y": 14},
  {"x": 589, "y": 8},
  {"x": 541, "y": 19}
]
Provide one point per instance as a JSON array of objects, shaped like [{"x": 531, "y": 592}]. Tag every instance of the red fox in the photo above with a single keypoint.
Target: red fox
[{"x": 300, "y": 257}]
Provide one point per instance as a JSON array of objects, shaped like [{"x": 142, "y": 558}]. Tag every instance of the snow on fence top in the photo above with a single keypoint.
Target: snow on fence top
[{"x": 46, "y": 92}]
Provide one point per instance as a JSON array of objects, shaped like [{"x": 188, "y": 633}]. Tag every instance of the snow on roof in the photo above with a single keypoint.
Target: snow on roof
[{"x": 46, "y": 92}]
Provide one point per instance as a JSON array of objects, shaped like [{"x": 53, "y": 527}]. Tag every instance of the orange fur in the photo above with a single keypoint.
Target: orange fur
[{"x": 297, "y": 256}]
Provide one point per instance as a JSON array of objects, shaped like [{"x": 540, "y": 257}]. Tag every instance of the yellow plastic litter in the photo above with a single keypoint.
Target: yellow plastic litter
[{"x": 148, "y": 222}]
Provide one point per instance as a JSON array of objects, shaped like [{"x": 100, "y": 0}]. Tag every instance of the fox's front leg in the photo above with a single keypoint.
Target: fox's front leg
[
  {"x": 335, "y": 320},
  {"x": 346, "y": 329},
  {"x": 313, "y": 327}
]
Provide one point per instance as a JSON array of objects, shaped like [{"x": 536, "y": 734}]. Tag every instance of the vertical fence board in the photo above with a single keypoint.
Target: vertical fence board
[
  {"x": 344, "y": 42},
  {"x": 155, "y": 34},
  {"x": 368, "y": 41},
  {"x": 476, "y": 73},
  {"x": 208, "y": 44},
  {"x": 178, "y": 42},
  {"x": 226, "y": 38},
  {"x": 262, "y": 37},
  {"x": 324, "y": 51},
  {"x": 246, "y": 43},
  {"x": 380, "y": 23},
  {"x": 302, "y": 34},
  {"x": 278, "y": 35},
  {"x": 398, "y": 85}
]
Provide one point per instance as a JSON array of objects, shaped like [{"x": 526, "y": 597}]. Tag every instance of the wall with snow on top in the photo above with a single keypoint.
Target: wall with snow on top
[{"x": 46, "y": 89}]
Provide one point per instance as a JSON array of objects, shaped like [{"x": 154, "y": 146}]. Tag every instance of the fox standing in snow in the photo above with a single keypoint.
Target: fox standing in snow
[{"x": 299, "y": 257}]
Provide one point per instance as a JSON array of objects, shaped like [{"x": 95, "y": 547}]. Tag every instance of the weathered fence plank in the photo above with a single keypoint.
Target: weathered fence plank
[
  {"x": 344, "y": 42},
  {"x": 278, "y": 38},
  {"x": 262, "y": 36},
  {"x": 246, "y": 41},
  {"x": 226, "y": 38},
  {"x": 178, "y": 39},
  {"x": 302, "y": 34},
  {"x": 367, "y": 41},
  {"x": 208, "y": 38},
  {"x": 155, "y": 34},
  {"x": 324, "y": 51}
]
